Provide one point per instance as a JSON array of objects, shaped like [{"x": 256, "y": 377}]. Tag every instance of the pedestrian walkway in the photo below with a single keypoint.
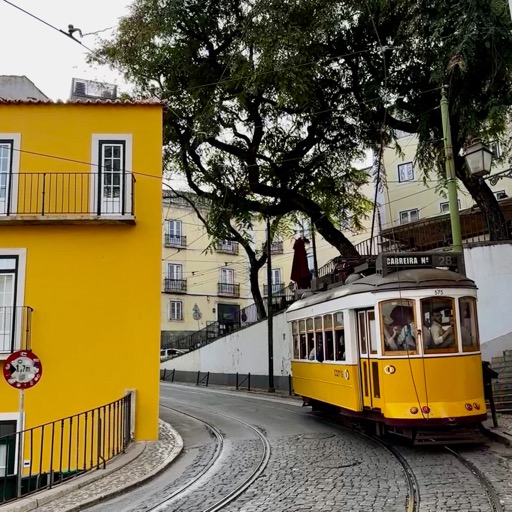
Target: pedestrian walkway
[
  {"x": 503, "y": 432},
  {"x": 142, "y": 461}
]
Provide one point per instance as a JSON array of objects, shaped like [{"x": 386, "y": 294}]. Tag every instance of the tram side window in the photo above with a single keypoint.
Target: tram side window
[
  {"x": 339, "y": 336},
  {"x": 469, "y": 324},
  {"x": 296, "y": 340},
  {"x": 398, "y": 326},
  {"x": 311, "y": 339},
  {"x": 329, "y": 338},
  {"x": 303, "y": 344},
  {"x": 439, "y": 324},
  {"x": 319, "y": 339}
]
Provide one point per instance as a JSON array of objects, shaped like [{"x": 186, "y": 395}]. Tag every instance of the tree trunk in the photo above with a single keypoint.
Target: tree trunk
[
  {"x": 334, "y": 236},
  {"x": 486, "y": 201},
  {"x": 261, "y": 312}
]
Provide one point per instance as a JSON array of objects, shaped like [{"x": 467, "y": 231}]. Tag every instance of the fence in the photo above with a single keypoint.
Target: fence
[
  {"x": 215, "y": 330},
  {"x": 67, "y": 193},
  {"x": 44, "y": 456}
]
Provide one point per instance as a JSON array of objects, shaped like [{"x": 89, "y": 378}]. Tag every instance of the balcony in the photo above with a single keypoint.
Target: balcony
[
  {"x": 228, "y": 290},
  {"x": 175, "y": 285},
  {"x": 278, "y": 290},
  {"x": 67, "y": 198},
  {"x": 276, "y": 248},
  {"x": 15, "y": 329},
  {"x": 227, "y": 247},
  {"x": 177, "y": 241}
]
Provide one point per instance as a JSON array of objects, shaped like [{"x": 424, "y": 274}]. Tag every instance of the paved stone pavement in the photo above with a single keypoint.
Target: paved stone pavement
[
  {"x": 153, "y": 458},
  {"x": 503, "y": 432}
]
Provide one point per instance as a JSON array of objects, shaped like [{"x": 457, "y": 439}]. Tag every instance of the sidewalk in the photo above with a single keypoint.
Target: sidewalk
[
  {"x": 503, "y": 433},
  {"x": 141, "y": 462}
]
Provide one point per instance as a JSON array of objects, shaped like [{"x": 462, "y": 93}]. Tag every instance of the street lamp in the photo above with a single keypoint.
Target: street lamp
[{"x": 478, "y": 158}]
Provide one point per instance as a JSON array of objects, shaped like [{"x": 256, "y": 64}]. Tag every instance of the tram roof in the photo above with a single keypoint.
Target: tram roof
[{"x": 401, "y": 280}]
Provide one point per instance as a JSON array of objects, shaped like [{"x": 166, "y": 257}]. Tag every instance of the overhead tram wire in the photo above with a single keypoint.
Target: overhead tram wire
[{"x": 53, "y": 27}]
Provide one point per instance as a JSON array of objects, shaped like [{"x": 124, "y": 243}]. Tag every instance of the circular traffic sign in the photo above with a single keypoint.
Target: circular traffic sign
[{"x": 22, "y": 369}]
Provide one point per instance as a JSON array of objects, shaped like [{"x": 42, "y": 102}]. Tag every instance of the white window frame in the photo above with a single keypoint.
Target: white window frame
[
  {"x": 409, "y": 216},
  {"x": 15, "y": 172},
  {"x": 403, "y": 165},
  {"x": 174, "y": 223},
  {"x": 169, "y": 311},
  {"x": 19, "y": 299},
  {"x": 172, "y": 275},
  {"x": 495, "y": 148},
  {"x": 447, "y": 203},
  {"x": 20, "y": 425},
  {"x": 227, "y": 272},
  {"x": 127, "y": 138}
]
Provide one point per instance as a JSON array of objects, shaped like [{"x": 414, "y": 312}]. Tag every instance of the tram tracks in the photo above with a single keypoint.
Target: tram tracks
[{"x": 219, "y": 504}]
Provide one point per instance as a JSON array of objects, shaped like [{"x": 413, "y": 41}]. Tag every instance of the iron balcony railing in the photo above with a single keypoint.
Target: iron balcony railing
[
  {"x": 41, "y": 457},
  {"x": 278, "y": 290},
  {"x": 15, "y": 328},
  {"x": 55, "y": 194},
  {"x": 175, "y": 241},
  {"x": 227, "y": 247},
  {"x": 276, "y": 248},
  {"x": 175, "y": 285},
  {"x": 228, "y": 290}
]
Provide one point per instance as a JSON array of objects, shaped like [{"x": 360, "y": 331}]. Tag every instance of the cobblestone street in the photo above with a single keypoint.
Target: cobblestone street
[{"x": 313, "y": 464}]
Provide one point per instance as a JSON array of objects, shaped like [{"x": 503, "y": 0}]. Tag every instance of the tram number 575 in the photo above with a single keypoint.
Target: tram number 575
[{"x": 439, "y": 292}]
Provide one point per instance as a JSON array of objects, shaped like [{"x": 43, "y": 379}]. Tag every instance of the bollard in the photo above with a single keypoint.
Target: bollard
[
  {"x": 198, "y": 375},
  {"x": 165, "y": 371},
  {"x": 249, "y": 382},
  {"x": 237, "y": 381},
  {"x": 207, "y": 378},
  {"x": 290, "y": 384},
  {"x": 173, "y": 374}
]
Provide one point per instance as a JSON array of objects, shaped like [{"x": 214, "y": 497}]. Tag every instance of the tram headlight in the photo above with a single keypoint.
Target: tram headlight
[
  {"x": 476, "y": 406},
  {"x": 469, "y": 407},
  {"x": 414, "y": 410}
]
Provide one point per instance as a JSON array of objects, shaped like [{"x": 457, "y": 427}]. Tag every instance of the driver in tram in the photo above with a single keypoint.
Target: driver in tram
[{"x": 403, "y": 329}]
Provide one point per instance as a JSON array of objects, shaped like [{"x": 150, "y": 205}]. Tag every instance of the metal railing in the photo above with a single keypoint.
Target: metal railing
[
  {"x": 215, "y": 330},
  {"x": 44, "y": 456},
  {"x": 278, "y": 290},
  {"x": 276, "y": 247},
  {"x": 175, "y": 241},
  {"x": 15, "y": 328},
  {"x": 227, "y": 247},
  {"x": 68, "y": 193},
  {"x": 228, "y": 289},
  {"x": 175, "y": 285}
]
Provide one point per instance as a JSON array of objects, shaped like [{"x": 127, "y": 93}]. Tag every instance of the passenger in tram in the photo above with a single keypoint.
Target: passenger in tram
[
  {"x": 320, "y": 352},
  {"x": 440, "y": 337},
  {"x": 403, "y": 329}
]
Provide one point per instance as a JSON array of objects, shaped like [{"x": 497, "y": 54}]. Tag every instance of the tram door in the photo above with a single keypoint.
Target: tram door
[{"x": 369, "y": 363}]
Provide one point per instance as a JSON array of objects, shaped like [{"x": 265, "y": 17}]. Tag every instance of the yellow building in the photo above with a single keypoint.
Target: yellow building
[
  {"x": 80, "y": 241},
  {"x": 408, "y": 198},
  {"x": 198, "y": 287}
]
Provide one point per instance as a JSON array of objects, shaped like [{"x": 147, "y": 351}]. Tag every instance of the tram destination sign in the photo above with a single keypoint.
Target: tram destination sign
[{"x": 393, "y": 262}]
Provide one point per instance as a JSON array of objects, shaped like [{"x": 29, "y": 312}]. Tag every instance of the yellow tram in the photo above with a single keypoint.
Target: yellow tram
[{"x": 397, "y": 344}]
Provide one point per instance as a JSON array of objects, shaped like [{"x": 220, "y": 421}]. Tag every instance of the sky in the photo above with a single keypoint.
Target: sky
[{"x": 49, "y": 58}]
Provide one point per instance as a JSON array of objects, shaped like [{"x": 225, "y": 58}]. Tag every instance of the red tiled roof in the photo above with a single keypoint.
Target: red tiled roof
[{"x": 106, "y": 102}]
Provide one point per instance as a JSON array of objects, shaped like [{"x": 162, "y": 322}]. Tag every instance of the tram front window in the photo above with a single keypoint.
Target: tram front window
[
  {"x": 439, "y": 324},
  {"x": 398, "y": 326},
  {"x": 468, "y": 324}
]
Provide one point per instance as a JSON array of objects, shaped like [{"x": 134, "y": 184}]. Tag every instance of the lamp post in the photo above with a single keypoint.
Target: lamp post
[
  {"x": 451, "y": 181},
  {"x": 270, "y": 316}
]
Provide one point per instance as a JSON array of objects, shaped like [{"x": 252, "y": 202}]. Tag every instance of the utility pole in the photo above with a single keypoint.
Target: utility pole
[
  {"x": 313, "y": 242},
  {"x": 270, "y": 316},
  {"x": 451, "y": 181}
]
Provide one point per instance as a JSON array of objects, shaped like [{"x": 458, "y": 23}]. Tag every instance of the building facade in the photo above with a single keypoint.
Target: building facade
[
  {"x": 201, "y": 286},
  {"x": 80, "y": 188},
  {"x": 409, "y": 198}
]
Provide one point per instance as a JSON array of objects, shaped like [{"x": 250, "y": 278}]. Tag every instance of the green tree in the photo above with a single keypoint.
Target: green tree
[{"x": 251, "y": 128}]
